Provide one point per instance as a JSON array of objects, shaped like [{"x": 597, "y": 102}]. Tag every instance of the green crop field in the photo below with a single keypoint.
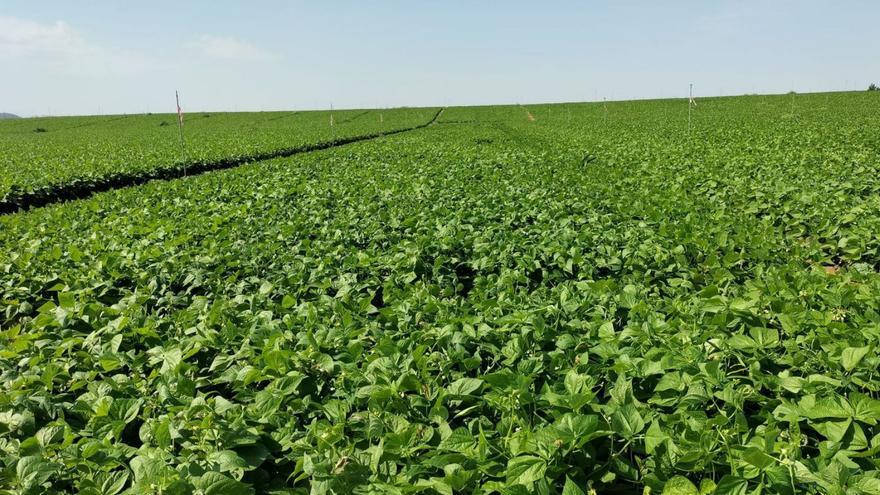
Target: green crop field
[
  {"x": 41, "y": 156},
  {"x": 591, "y": 300}
]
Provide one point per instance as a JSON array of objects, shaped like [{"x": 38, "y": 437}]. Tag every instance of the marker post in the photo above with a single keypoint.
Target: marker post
[{"x": 180, "y": 131}]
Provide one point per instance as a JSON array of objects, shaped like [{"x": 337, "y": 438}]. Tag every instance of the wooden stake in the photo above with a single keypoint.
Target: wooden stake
[{"x": 180, "y": 131}]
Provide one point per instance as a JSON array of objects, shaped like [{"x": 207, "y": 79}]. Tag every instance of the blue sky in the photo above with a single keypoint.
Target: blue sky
[{"x": 95, "y": 56}]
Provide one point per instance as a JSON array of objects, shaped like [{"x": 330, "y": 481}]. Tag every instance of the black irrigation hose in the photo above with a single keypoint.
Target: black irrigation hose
[
  {"x": 279, "y": 117},
  {"x": 354, "y": 117},
  {"x": 15, "y": 202}
]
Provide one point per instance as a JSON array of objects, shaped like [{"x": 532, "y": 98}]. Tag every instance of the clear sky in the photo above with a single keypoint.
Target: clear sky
[{"x": 102, "y": 56}]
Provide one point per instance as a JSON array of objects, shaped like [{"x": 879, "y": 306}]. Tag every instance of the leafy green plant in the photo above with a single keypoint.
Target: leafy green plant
[
  {"x": 97, "y": 150},
  {"x": 465, "y": 308}
]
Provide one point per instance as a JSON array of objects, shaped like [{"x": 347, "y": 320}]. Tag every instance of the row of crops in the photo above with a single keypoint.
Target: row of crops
[
  {"x": 53, "y": 158},
  {"x": 593, "y": 301}
]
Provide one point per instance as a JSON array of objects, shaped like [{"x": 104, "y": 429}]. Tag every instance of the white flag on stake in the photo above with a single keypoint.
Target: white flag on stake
[
  {"x": 180, "y": 131},
  {"x": 179, "y": 110},
  {"x": 691, "y": 104}
]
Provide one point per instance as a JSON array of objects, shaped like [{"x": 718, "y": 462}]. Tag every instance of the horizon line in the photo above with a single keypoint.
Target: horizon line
[{"x": 333, "y": 109}]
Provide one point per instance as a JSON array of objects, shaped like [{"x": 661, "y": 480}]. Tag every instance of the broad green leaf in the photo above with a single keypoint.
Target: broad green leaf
[
  {"x": 833, "y": 430},
  {"x": 764, "y": 337},
  {"x": 852, "y": 356},
  {"x": 865, "y": 408},
  {"x": 66, "y": 300},
  {"x": 214, "y": 483},
  {"x": 437, "y": 484},
  {"x": 758, "y": 458},
  {"x": 577, "y": 428},
  {"x": 679, "y": 485},
  {"x": 460, "y": 440},
  {"x": 376, "y": 392},
  {"x": 464, "y": 386},
  {"x": 707, "y": 486},
  {"x": 627, "y": 421},
  {"x": 571, "y": 488},
  {"x": 114, "y": 482},
  {"x": 266, "y": 288},
  {"x": 731, "y": 485},
  {"x": 148, "y": 470},
  {"x": 226, "y": 460},
  {"x": 868, "y": 486},
  {"x": 654, "y": 437},
  {"x": 288, "y": 301},
  {"x": 525, "y": 469},
  {"x": 32, "y": 471}
]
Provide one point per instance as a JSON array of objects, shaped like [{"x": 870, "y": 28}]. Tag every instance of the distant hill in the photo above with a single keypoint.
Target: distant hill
[{"x": 8, "y": 116}]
